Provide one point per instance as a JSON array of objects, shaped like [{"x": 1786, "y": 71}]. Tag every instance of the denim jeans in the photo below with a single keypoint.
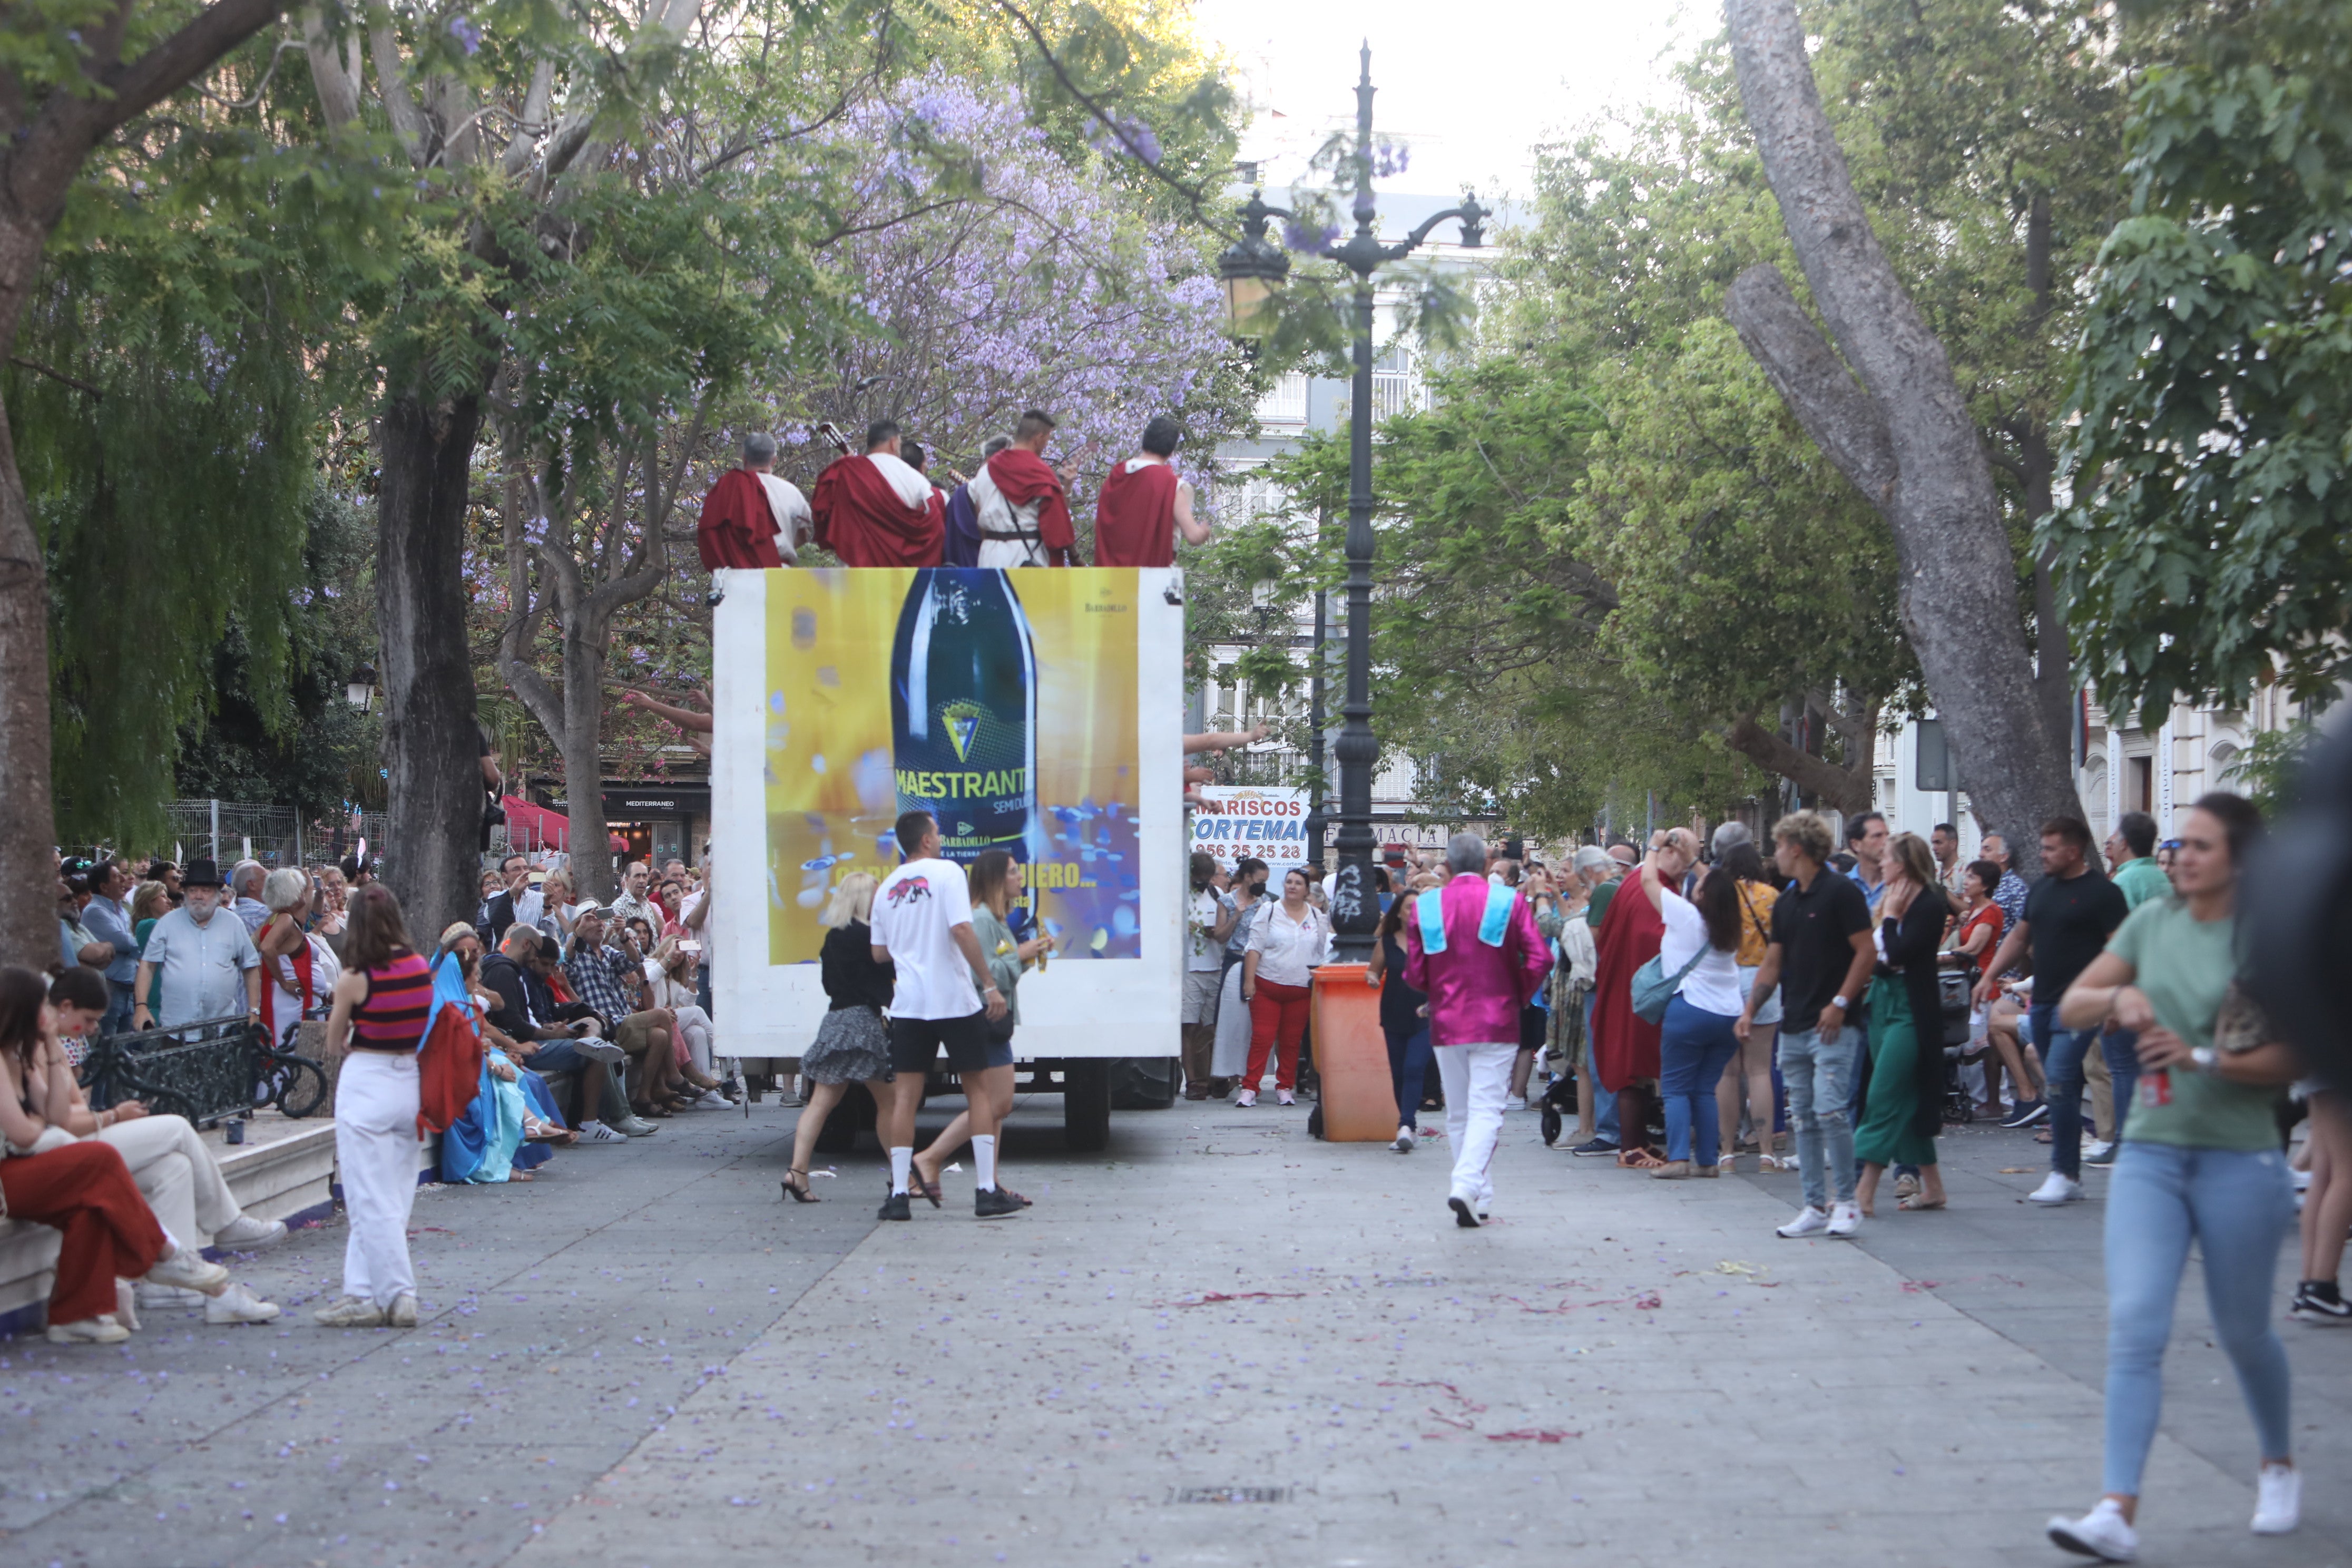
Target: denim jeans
[
  {"x": 2238, "y": 1205},
  {"x": 1819, "y": 1078},
  {"x": 2121, "y": 1047},
  {"x": 1604, "y": 1102},
  {"x": 1694, "y": 1047},
  {"x": 2061, "y": 1069},
  {"x": 1409, "y": 1064},
  {"x": 596, "y": 1085}
]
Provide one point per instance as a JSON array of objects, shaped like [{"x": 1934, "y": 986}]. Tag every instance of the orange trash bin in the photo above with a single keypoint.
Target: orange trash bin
[{"x": 1352, "y": 1058}]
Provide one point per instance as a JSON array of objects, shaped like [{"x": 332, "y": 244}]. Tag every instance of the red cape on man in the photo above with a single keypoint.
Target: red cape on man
[
  {"x": 1135, "y": 517},
  {"x": 738, "y": 527},
  {"x": 1624, "y": 1047},
  {"x": 1022, "y": 476},
  {"x": 863, "y": 520}
]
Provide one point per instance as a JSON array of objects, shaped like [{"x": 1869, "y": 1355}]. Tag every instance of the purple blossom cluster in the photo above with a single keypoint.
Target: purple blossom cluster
[{"x": 1047, "y": 288}]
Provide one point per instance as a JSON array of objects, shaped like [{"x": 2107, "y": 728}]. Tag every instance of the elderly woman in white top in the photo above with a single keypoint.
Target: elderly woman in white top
[
  {"x": 1700, "y": 945},
  {"x": 1286, "y": 941}
]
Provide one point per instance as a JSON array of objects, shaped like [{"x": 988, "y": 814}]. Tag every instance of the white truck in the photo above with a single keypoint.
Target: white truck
[{"x": 1039, "y": 712}]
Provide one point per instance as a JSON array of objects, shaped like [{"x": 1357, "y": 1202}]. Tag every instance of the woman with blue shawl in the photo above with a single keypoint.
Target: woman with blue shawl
[{"x": 499, "y": 1137}]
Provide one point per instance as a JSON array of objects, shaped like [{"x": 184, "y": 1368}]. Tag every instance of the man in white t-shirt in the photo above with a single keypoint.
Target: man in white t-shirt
[
  {"x": 943, "y": 997},
  {"x": 794, "y": 520},
  {"x": 1209, "y": 919}
]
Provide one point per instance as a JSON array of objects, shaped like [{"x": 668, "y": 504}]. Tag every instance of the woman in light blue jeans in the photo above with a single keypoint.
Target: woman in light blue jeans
[{"x": 2200, "y": 1162}]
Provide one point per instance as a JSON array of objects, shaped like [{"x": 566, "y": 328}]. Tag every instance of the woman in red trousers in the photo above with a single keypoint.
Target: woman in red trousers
[
  {"x": 81, "y": 1188},
  {"x": 1285, "y": 943}
]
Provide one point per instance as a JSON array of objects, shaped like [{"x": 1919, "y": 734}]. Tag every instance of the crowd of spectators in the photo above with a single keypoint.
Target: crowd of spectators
[{"x": 597, "y": 1023}]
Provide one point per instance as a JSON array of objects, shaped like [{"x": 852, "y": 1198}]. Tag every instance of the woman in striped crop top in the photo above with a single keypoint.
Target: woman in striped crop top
[{"x": 381, "y": 1005}]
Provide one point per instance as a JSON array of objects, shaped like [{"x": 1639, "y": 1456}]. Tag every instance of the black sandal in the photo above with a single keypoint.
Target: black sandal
[{"x": 800, "y": 1193}]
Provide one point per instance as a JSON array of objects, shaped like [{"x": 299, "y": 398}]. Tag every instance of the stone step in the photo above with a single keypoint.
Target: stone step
[{"x": 284, "y": 1170}]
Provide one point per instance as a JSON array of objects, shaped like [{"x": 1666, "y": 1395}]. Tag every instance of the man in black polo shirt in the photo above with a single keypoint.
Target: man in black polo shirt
[
  {"x": 1821, "y": 958},
  {"x": 2069, "y": 915}
]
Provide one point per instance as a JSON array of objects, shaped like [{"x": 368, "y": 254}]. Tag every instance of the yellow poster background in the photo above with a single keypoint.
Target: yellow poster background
[{"x": 832, "y": 798}]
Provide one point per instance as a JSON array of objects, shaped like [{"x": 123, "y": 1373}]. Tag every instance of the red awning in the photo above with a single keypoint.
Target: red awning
[{"x": 535, "y": 824}]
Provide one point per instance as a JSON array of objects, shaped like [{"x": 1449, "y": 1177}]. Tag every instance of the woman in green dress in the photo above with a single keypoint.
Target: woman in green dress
[{"x": 1906, "y": 1107}]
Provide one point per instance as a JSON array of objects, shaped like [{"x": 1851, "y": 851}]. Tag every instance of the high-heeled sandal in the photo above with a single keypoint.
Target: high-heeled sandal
[{"x": 799, "y": 1193}]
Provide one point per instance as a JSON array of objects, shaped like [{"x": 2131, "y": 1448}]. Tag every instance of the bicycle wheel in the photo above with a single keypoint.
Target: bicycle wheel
[{"x": 301, "y": 1086}]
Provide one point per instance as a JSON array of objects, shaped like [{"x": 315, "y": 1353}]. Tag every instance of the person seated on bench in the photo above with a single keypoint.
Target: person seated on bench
[
  {"x": 174, "y": 1183},
  {"x": 525, "y": 1012}
]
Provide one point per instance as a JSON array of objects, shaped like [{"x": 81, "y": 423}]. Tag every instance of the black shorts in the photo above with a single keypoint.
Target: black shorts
[{"x": 915, "y": 1043}]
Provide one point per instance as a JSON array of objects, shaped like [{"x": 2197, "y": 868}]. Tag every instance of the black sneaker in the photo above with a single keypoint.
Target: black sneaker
[
  {"x": 2027, "y": 1115},
  {"x": 2319, "y": 1301},
  {"x": 894, "y": 1206},
  {"x": 1596, "y": 1147},
  {"x": 1464, "y": 1215},
  {"x": 995, "y": 1202}
]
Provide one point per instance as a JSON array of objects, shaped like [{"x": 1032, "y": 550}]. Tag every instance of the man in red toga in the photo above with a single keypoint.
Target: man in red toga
[
  {"x": 876, "y": 510},
  {"x": 1017, "y": 496},
  {"x": 1144, "y": 505},
  {"x": 740, "y": 525}
]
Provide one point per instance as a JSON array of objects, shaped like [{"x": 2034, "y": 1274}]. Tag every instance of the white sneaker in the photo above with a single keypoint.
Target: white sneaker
[
  {"x": 1245, "y": 1098},
  {"x": 1516, "y": 1102},
  {"x": 1404, "y": 1141},
  {"x": 1844, "y": 1220},
  {"x": 102, "y": 1330},
  {"x": 2057, "y": 1189},
  {"x": 2096, "y": 1150},
  {"x": 1809, "y": 1221},
  {"x": 186, "y": 1269},
  {"x": 2102, "y": 1533},
  {"x": 597, "y": 1132},
  {"x": 238, "y": 1305},
  {"x": 2278, "y": 1501},
  {"x": 155, "y": 1298},
  {"x": 351, "y": 1312},
  {"x": 247, "y": 1234},
  {"x": 401, "y": 1313}
]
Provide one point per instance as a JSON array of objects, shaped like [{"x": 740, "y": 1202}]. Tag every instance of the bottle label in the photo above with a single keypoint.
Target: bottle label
[
  {"x": 964, "y": 709},
  {"x": 2155, "y": 1089}
]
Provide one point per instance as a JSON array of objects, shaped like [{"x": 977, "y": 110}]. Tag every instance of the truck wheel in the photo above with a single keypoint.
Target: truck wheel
[{"x": 1086, "y": 1105}]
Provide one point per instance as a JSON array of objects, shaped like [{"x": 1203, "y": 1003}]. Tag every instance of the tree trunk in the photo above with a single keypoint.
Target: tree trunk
[
  {"x": 2053, "y": 657},
  {"x": 1904, "y": 434},
  {"x": 1842, "y": 789},
  {"x": 28, "y": 897},
  {"x": 583, "y": 760},
  {"x": 431, "y": 743}
]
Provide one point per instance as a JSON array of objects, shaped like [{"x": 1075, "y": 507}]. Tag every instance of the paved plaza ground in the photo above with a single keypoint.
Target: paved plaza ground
[{"x": 646, "y": 1358}]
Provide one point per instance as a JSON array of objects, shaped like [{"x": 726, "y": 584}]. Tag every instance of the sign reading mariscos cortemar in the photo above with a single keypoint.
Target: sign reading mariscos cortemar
[{"x": 1237, "y": 820}]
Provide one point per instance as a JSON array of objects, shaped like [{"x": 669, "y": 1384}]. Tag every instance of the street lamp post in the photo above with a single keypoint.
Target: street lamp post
[{"x": 1251, "y": 269}]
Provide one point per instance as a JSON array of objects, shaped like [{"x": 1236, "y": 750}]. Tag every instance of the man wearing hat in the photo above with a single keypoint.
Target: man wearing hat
[{"x": 207, "y": 961}]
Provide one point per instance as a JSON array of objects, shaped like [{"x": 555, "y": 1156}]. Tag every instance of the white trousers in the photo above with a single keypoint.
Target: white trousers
[
  {"x": 175, "y": 1175},
  {"x": 695, "y": 1025},
  {"x": 375, "y": 1155},
  {"x": 1478, "y": 1080}
]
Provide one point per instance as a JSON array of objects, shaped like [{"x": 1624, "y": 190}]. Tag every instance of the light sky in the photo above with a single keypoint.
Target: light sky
[{"x": 1470, "y": 88}]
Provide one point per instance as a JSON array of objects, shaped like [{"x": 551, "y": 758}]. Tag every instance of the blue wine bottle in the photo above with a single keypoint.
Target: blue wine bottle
[{"x": 964, "y": 709}]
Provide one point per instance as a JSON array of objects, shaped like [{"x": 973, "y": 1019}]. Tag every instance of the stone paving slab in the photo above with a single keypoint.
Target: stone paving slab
[
  {"x": 1230, "y": 1305},
  {"x": 646, "y": 1358}
]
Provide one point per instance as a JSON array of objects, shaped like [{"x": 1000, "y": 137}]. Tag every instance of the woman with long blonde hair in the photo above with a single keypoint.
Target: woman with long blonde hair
[{"x": 853, "y": 1044}]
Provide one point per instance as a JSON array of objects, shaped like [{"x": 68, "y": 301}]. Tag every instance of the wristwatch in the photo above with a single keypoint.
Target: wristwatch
[
  {"x": 1842, "y": 1005},
  {"x": 2206, "y": 1057}
]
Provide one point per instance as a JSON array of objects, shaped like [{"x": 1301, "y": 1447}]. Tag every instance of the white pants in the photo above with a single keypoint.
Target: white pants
[
  {"x": 1477, "y": 1079},
  {"x": 695, "y": 1025},
  {"x": 1005, "y": 553},
  {"x": 375, "y": 1155},
  {"x": 175, "y": 1175}
]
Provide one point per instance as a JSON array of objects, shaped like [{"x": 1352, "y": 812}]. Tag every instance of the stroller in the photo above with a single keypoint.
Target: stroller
[{"x": 1953, "y": 988}]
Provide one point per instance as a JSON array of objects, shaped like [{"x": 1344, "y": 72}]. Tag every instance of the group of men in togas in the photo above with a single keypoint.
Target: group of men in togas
[{"x": 880, "y": 510}]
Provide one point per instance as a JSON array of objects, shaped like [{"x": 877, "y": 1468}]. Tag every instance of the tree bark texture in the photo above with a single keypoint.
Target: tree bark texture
[
  {"x": 431, "y": 744},
  {"x": 1904, "y": 435},
  {"x": 1844, "y": 789}
]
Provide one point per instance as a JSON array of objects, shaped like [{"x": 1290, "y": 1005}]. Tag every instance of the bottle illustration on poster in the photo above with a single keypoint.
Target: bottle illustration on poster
[{"x": 1004, "y": 703}]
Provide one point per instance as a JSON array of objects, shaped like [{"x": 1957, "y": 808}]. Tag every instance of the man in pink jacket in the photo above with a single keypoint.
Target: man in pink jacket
[{"x": 1473, "y": 947}]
